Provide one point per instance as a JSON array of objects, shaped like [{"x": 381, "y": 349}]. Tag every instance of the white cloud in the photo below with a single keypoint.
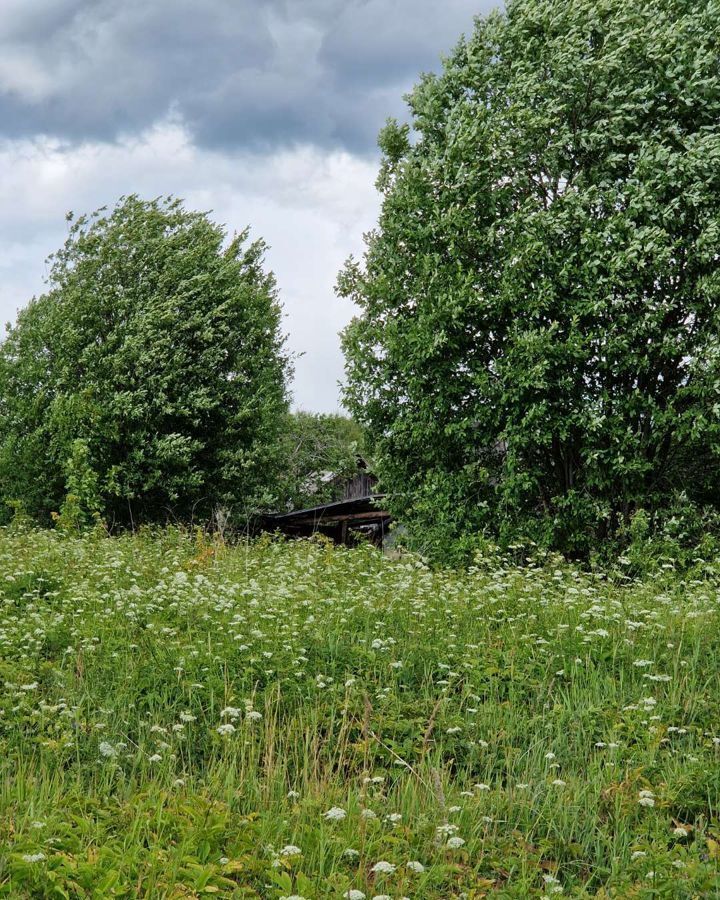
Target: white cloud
[{"x": 311, "y": 206}]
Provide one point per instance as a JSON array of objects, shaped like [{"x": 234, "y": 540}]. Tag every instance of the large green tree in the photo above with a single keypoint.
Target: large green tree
[
  {"x": 538, "y": 346},
  {"x": 151, "y": 377}
]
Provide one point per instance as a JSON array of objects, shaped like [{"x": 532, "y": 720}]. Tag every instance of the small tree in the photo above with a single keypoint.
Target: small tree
[
  {"x": 155, "y": 361},
  {"x": 537, "y": 351},
  {"x": 320, "y": 451}
]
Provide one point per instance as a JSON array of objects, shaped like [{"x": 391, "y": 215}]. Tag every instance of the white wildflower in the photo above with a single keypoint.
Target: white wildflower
[
  {"x": 335, "y": 814},
  {"x": 455, "y": 843},
  {"x": 383, "y": 868}
]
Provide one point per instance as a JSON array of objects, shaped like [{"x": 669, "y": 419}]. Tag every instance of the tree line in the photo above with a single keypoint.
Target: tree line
[{"x": 536, "y": 354}]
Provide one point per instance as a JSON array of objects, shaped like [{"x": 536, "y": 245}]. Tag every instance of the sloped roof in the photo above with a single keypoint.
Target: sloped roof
[{"x": 332, "y": 510}]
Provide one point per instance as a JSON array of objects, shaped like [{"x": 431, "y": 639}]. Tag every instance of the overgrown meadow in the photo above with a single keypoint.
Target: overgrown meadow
[{"x": 179, "y": 719}]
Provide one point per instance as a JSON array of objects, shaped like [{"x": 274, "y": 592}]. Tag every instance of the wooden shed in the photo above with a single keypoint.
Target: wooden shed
[{"x": 343, "y": 521}]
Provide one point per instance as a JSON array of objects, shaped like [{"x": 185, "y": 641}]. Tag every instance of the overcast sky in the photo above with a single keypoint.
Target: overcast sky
[{"x": 263, "y": 111}]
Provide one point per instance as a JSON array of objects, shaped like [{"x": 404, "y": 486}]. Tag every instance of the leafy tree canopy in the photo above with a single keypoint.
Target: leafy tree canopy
[
  {"x": 321, "y": 452},
  {"x": 537, "y": 351},
  {"x": 151, "y": 377}
]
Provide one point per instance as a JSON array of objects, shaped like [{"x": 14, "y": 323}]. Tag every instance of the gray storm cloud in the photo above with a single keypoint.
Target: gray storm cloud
[
  {"x": 264, "y": 111},
  {"x": 239, "y": 74}
]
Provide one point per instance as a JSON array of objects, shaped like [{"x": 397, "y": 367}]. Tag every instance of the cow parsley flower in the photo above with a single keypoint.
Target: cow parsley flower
[
  {"x": 552, "y": 884},
  {"x": 335, "y": 814},
  {"x": 383, "y": 868}
]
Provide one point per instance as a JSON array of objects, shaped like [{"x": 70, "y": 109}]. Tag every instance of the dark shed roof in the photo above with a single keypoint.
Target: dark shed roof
[{"x": 334, "y": 519}]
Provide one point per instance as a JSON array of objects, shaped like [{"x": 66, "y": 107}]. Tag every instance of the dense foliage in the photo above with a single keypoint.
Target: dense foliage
[
  {"x": 180, "y": 718},
  {"x": 537, "y": 352},
  {"x": 320, "y": 453},
  {"x": 149, "y": 381}
]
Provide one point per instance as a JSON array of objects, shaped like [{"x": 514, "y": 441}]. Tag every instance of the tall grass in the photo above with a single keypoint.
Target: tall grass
[{"x": 180, "y": 718}]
